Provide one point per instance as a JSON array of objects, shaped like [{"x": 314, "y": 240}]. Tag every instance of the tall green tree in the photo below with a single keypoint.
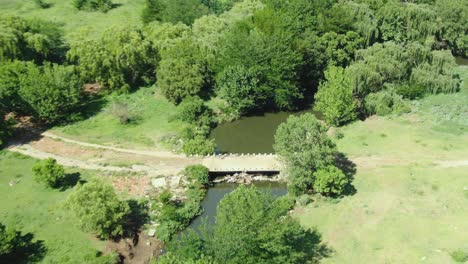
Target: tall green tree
[
  {"x": 454, "y": 24},
  {"x": 334, "y": 98},
  {"x": 120, "y": 59},
  {"x": 183, "y": 72},
  {"x": 10, "y": 77},
  {"x": 174, "y": 11},
  {"x": 304, "y": 146},
  {"x": 30, "y": 39},
  {"x": 250, "y": 227},
  {"x": 53, "y": 92},
  {"x": 98, "y": 209}
]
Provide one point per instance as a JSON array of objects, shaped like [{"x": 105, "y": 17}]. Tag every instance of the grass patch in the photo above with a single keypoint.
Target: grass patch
[
  {"x": 126, "y": 12},
  {"x": 153, "y": 127},
  {"x": 30, "y": 207}
]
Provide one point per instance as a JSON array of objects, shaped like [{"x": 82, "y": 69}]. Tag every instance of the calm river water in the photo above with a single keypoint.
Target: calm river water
[{"x": 253, "y": 134}]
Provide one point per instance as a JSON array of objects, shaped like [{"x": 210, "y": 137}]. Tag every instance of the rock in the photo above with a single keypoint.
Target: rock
[
  {"x": 151, "y": 232},
  {"x": 158, "y": 183}
]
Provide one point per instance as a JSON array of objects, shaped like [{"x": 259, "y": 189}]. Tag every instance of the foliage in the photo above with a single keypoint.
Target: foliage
[
  {"x": 304, "y": 145},
  {"x": 454, "y": 22},
  {"x": 385, "y": 102},
  {"x": 191, "y": 109},
  {"x": 49, "y": 172},
  {"x": 199, "y": 145},
  {"x": 41, "y": 4},
  {"x": 5, "y": 128},
  {"x": 18, "y": 248},
  {"x": 98, "y": 209},
  {"x": 174, "y": 215},
  {"x": 120, "y": 59},
  {"x": 173, "y": 11},
  {"x": 93, "y": 5},
  {"x": 334, "y": 98},
  {"x": 10, "y": 100},
  {"x": 330, "y": 180},
  {"x": 240, "y": 87},
  {"x": 404, "y": 22},
  {"x": 30, "y": 39},
  {"x": 459, "y": 256},
  {"x": 272, "y": 56},
  {"x": 52, "y": 91},
  {"x": 250, "y": 227},
  {"x": 437, "y": 75},
  {"x": 340, "y": 48},
  {"x": 198, "y": 174},
  {"x": 182, "y": 71}
]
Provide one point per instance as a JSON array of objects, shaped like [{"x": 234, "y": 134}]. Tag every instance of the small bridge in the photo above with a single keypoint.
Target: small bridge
[{"x": 242, "y": 163}]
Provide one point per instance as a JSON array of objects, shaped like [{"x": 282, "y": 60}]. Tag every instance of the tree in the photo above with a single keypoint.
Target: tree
[
  {"x": 330, "y": 180},
  {"x": 182, "y": 71},
  {"x": 120, "y": 59},
  {"x": 30, "y": 39},
  {"x": 303, "y": 144},
  {"x": 334, "y": 98},
  {"x": 49, "y": 172},
  {"x": 152, "y": 11},
  {"x": 10, "y": 99},
  {"x": 4, "y": 128},
  {"x": 53, "y": 92},
  {"x": 250, "y": 227},
  {"x": 241, "y": 88},
  {"x": 454, "y": 22},
  {"x": 98, "y": 209},
  {"x": 93, "y": 5},
  {"x": 340, "y": 48}
]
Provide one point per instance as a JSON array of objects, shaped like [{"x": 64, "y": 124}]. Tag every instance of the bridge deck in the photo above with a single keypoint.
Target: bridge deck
[{"x": 239, "y": 163}]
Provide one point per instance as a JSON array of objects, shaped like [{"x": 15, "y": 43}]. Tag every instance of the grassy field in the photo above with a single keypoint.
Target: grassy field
[
  {"x": 409, "y": 206},
  {"x": 30, "y": 207},
  {"x": 152, "y": 123},
  {"x": 126, "y": 12}
]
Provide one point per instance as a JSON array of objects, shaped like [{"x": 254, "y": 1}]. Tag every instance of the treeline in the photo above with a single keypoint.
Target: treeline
[{"x": 363, "y": 57}]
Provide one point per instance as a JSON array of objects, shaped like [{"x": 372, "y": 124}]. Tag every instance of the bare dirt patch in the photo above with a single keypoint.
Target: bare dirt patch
[{"x": 138, "y": 250}]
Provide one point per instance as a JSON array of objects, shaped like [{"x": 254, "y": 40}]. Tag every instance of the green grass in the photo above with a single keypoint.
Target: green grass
[
  {"x": 30, "y": 207},
  {"x": 398, "y": 215},
  {"x": 406, "y": 209},
  {"x": 152, "y": 125},
  {"x": 127, "y": 12}
]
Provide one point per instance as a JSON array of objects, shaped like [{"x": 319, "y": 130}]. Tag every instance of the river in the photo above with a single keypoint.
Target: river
[{"x": 253, "y": 134}]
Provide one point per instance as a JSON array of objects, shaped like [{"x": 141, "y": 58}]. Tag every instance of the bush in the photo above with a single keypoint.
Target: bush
[
  {"x": 384, "y": 103},
  {"x": 459, "y": 256},
  {"x": 330, "y": 180},
  {"x": 198, "y": 174},
  {"x": 191, "y": 109},
  {"x": 411, "y": 91},
  {"x": 99, "y": 209},
  {"x": 41, "y": 4},
  {"x": 93, "y": 5},
  {"x": 199, "y": 146},
  {"x": 49, "y": 172}
]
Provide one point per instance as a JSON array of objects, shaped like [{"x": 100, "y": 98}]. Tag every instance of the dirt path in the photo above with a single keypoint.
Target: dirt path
[{"x": 152, "y": 162}]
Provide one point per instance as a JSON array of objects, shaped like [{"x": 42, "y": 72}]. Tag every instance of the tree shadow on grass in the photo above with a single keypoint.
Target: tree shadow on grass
[
  {"x": 71, "y": 179},
  {"x": 25, "y": 250},
  {"x": 349, "y": 169},
  {"x": 312, "y": 242}
]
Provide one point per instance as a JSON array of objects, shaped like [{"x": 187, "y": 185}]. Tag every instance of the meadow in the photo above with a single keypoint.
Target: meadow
[
  {"x": 30, "y": 207},
  {"x": 411, "y": 198},
  {"x": 125, "y": 12}
]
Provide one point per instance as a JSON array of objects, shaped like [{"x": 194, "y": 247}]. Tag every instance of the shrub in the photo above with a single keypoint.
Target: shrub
[
  {"x": 198, "y": 174},
  {"x": 330, "y": 180},
  {"x": 459, "y": 256},
  {"x": 41, "y": 4},
  {"x": 93, "y": 5},
  {"x": 385, "y": 102},
  {"x": 49, "y": 172},
  {"x": 99, "y": 209},
  {"x": 199, "y": 146}
]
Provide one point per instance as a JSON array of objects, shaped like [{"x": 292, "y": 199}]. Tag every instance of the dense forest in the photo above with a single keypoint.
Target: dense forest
[{"x": 218, "y": 61}]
